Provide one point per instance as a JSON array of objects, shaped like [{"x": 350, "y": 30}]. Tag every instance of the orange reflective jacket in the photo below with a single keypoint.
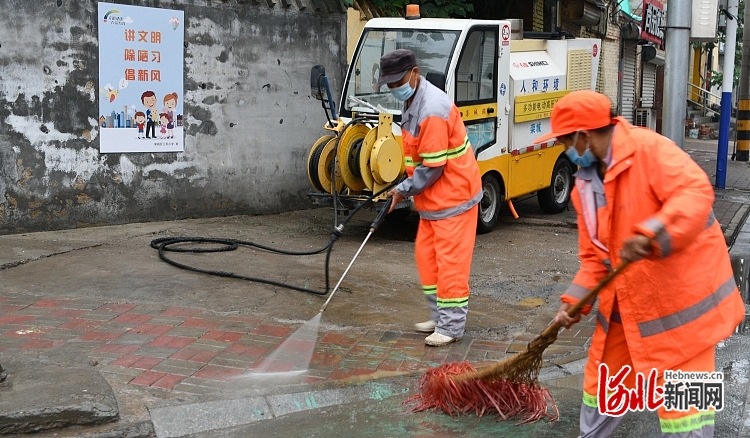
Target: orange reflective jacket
[{"x": 683, "y": 299}]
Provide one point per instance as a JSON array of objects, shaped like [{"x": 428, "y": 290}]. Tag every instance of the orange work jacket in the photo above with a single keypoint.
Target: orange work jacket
[
  {"x": 434, "y": 135},
  {"x": 681, "y": 300}
]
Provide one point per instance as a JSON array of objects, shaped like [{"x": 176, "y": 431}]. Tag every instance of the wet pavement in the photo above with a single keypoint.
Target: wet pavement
[{"x": 178, "y": 350}]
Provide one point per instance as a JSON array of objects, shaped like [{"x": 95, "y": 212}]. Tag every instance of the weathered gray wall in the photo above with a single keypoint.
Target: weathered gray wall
[{"x": 249, "y": 117}]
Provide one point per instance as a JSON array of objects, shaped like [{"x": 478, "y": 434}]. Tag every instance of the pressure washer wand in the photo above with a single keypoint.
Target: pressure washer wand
[{"x": 374, "y": 226}]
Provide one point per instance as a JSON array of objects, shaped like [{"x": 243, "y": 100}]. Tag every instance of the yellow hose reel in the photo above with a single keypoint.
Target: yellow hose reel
[
  {"x": 368, "y": 158},
  {"x": 320, "y": 165}
]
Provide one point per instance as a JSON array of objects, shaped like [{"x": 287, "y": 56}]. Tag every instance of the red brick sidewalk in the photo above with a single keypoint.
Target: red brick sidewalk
[{"x": 190, "y": 350}]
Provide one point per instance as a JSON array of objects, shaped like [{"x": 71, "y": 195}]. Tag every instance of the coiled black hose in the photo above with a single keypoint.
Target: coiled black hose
[{"x": 164, "y": 244}]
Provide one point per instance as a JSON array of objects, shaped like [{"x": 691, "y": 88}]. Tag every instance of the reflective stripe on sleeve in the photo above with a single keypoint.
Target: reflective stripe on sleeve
[
  {"x": 576, "y": 291},
  {"x": 448, "y": 154},
  {"x": 409, "y": 162}
]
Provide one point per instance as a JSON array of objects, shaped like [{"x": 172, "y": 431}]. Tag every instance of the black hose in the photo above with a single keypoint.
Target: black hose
[
  {"x": 164, "y": 244},
  {"x": 323, "y": 101}
]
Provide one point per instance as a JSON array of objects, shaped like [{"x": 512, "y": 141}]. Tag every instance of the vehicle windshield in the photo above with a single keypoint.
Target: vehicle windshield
[{"x": 432, "y": 49}]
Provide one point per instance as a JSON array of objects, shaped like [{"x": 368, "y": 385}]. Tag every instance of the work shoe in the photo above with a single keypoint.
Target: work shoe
[
  {"x": 425, "y": 327},
  {"x": 438, "y": 340}
]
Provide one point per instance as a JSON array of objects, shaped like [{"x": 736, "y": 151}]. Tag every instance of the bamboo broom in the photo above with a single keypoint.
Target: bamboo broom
[{"x": 510, "y": 388}]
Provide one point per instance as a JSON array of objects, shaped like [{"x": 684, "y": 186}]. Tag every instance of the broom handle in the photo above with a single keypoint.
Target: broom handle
[{"x": 576, "y": 309}]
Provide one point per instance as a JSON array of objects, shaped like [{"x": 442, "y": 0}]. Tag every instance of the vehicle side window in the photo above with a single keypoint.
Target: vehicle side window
[
  {"x": 476, "y": 86},
  {"x": 475, "y": 75}
]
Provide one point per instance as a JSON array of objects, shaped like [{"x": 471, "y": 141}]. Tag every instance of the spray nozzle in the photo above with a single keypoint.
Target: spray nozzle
[{"x": 383, "y": 211}]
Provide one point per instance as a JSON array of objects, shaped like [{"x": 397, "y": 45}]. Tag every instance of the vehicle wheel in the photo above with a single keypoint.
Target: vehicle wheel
[
  {"x": 555, "y": 198},
  {"x": 489, "y": 206}
]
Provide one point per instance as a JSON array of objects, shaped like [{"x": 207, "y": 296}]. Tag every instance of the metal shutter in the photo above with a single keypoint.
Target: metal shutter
[
  {"x": 648, "y": 90},
  {"x": 628, "y": 80}
]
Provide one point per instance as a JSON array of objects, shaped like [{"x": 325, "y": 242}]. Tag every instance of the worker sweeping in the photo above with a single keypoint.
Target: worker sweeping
[
  {"x": 444, "y": 179},
  {"x": 642, "y": 199}
]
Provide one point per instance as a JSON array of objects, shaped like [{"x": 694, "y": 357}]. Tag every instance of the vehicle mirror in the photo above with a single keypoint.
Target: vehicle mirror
[
  {"x": 316, "y": 84},
  {"x": 437, "y": 79}
]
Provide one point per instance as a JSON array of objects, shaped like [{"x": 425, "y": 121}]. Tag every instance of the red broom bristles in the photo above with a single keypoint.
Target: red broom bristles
[
  {"x": 438, "y": 391},
  {"x": 510, "y": 388}
]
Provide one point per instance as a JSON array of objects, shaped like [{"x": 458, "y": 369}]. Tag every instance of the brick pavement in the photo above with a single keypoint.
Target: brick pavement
[{"x": 194, "y": 351}]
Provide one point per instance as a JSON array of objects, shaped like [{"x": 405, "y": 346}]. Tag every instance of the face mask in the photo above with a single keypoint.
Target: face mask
[
  {"x": 587, "y": 159},
  {"x": 403, "y": 92}
]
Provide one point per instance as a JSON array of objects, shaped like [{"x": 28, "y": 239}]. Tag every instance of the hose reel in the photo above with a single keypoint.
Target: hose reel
[
  {"x": 320, "y": 165},
  {"x": 368, "y": 158}
]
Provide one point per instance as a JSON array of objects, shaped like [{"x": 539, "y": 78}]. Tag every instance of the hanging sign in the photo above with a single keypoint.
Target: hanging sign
[{"x": 653, "y": 22}]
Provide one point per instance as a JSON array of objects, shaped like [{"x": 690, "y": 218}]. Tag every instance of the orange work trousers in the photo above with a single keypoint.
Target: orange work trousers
[
  {"x": 674, "y": 423},
  {"x": 443, "y": 252}
]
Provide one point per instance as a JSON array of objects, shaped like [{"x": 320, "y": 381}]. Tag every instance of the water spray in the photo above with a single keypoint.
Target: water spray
[
  {"x": 374, "y": 226},
  {"x": 292, "y": 357}
]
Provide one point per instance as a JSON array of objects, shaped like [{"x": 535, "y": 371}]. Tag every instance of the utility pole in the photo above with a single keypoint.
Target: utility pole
[
  {"x": 726, "y": 93},
  {"x": 743, "y": 106},
  {"x": 676, "y": 64}
]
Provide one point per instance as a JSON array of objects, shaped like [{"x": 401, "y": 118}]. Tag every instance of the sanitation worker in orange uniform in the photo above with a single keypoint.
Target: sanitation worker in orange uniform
[
  {"x": 443, "y": 177},
  {"x": 639, "y": 197}
]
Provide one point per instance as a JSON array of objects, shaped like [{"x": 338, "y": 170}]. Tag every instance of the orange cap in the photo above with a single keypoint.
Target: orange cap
[{"x": 579, "y": 110}]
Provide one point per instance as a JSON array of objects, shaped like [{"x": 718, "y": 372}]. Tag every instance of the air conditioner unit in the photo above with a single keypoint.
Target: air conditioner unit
[{"x": 645, "y": 117}]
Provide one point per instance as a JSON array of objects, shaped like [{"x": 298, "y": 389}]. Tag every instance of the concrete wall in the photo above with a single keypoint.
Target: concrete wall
[{"x": 249, "y": 117}]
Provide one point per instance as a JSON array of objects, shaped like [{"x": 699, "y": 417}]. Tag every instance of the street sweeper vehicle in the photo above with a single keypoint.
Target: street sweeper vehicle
[{"x": 505, "y": 86}]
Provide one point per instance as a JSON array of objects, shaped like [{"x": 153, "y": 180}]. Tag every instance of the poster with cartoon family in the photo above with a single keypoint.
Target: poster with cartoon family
[{"x": 140, "y": 79}]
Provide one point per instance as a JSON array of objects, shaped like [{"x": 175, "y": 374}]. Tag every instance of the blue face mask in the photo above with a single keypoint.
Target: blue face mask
[
  {"x": 403, "y": 92},
  {"x": 587, "y": 159}
]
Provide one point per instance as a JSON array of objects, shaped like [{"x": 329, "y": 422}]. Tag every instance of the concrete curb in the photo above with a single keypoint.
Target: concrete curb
[
  {"x": 188, "y": 419},
  {"x": 139, "y": 429},
  {"x": 736, "y": 225},
  {"x": 79, "y": 397}
]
